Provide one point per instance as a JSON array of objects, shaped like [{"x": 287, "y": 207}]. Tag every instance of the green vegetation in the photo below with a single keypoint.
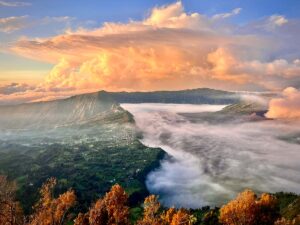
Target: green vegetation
[{"x": 87, "y": 142}]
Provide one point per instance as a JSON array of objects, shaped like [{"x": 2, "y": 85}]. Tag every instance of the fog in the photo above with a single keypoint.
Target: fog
[{"x": 209, "y": 163}]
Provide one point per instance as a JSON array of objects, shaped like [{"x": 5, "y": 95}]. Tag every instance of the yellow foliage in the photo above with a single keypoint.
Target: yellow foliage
[
  {"x": 151, "y": 209},
  {"x": 50, "y": 210},
  {"x": 10, "y": 210},
  {"x": 246, "y": 209}
]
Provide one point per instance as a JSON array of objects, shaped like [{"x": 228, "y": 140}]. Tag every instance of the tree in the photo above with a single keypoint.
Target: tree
[
  {"x": 167, "y": 216},
  {"x": 182, "y": 217},
  {"x": 246, "y": 209},
  {"x": 50, "y": 210},
  {"x": 151, "y": 212},
  {"x": 82, "y": 219},
  {"x": 10, "y": 210},
  {"x": 110, "y": 210},
  {"x": 115, "y": 202},
  {"x": 98, "y": 214}
]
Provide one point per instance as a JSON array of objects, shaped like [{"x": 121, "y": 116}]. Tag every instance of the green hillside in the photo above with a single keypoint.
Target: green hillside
[{"x": 87, "y": 142}]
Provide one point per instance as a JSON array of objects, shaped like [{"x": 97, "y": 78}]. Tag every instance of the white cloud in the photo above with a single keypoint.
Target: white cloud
[
  {"x": 277, "y": 20},
  {"x": 10, "y": 24},
  {"x": 14, "y": 4},
  {"x": 234, "y": 12}
]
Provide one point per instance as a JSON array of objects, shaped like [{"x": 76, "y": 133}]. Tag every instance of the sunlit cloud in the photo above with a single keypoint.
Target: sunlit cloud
[
  {"x": 169, "y": 49},
  {"x": 287, "y": 106}
]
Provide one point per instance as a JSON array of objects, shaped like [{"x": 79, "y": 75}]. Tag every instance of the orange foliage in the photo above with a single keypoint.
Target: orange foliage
[
  {"x": 82, "y": 219},
  {"x": 167, "y": 216},
  {"x": 111, "y": 210},
  {"x": 98, "y": 214},
  {"x": 115, "y": 202},
  {"x": 283, "y": 221},
  {"x": 50, "y": 210},
  {"x": 10, "y": 210},
  {"x": 151, "y": 212},
  {"x": 246, "y": 209},
  {"x": 182, "y": 217}
]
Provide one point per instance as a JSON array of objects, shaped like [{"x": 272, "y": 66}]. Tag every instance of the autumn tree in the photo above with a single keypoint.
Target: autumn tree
[
  {"x": 50, "y": 210},
  {"x": 115, "y": 202},
  {"x": 82, "y": 219},
  {"x": 167, "y": 216},
  {"x": 110, "y": 210},
  {"x": 10, "y": 210},
  {"x": 98, "y": 214},
  {"x": 247, "y": 209},
  {"x": 151, "y": 214},
  {"x": 182, "y": 217}
]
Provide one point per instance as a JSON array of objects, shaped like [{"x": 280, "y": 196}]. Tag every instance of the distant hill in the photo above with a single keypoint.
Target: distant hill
[
  {"x": 193, "y": 96},
  {"x": 244, "y": 108}
]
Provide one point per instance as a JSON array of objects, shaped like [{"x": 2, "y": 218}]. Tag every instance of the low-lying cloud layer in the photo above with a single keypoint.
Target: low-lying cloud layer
[
  {"x": 211, "y": 163},
  {"x": 172, "y": 49}
]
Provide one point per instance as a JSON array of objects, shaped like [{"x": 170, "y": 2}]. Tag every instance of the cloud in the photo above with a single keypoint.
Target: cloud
[
  {"x": 173, "y": 16},
  {"x": 14, "y": 88},
  {"x": 209, "y": 163},
  {"x": 10, "y": 24},
  {"x": 277, "y": 20},
  {"x": 287, "y": 106},
  {"x": 169, "y": 49},
  {"x": 234, "y": 12},
  {"x": 14, "y": 23},
  {"x": 14, "y": 4}
]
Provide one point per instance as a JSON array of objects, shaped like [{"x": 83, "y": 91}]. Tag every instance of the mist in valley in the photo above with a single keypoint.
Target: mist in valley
[{"x": 209, "y": 163}]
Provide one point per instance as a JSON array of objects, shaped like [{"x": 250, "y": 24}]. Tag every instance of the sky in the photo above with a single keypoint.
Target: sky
[{"x": 52, "y": 49}]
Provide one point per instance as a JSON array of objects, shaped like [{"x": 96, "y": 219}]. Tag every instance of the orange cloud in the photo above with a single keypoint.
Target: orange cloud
[
  {"x": 287, "y": 106},
  {"x": 170, "y": 49}
]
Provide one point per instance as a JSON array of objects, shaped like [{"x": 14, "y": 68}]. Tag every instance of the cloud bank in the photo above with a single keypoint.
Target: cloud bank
[
  {"x": 172, "y": 49},
  {"x": 211, "y": 163}
]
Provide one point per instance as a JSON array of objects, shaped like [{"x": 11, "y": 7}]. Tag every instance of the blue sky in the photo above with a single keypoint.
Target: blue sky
[{"x": 121, "y": 11}]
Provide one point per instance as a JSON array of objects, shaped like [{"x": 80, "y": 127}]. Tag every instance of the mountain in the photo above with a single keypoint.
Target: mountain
[
  {"x": 193, "y": 96},
  {"x": 73, "y": 110},
  {"x": 88, "y": 142}
]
